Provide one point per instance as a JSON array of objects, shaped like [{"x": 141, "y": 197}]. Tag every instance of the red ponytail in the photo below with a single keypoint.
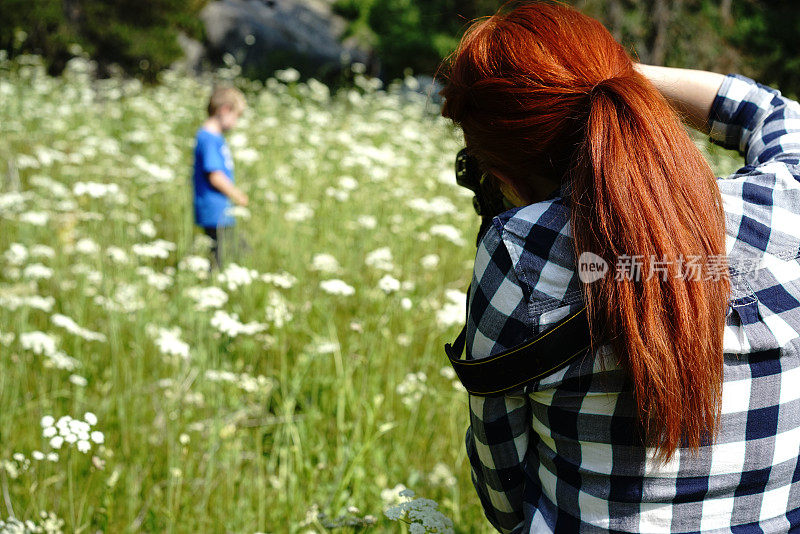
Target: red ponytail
[{"x": 546, "y": 93}]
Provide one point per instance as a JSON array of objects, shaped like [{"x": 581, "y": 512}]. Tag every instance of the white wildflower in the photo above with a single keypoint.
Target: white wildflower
[
  {"x": 159, "y": 281},
  {"x": 16, "y": 254},
  {"x": 337, "y": 287},
  {"x": 299, "y": 212},
  {"x": 236, "y": 276},
  {"x": 71, "y": 431},
  {"x": 195, "y": 264},
  {"x": 207, "y": 298},
  {"x": 442, "y": 476},
  {"x": 248, "y": 156},
  {"x": 325, "y": 263},
  {"x": 229, "y": 324},
  {"x": 168, "y": 341},
  {"x": 72, "y": 327},
  {"x": 436, "y": 205},
  {"x": 153, "y": 173},
  {"x": 380, "y": 259},
  {"x": 289, "y": 75},
  {"x": 337, "y": 194},
  {"x": 147, "y": 228},
  {"x": 244, "y": 381},
  {"x": 368, "y": 222},
  {"x": 38, "y": 342},
  {"x": 36, "y": 218},
  {"x": 78, "y": 380},
  {"x": 430, "y": 261},
  {"x": 452, "y": 312},
  {"x": 412, "y": 388},
  {"x": 117, "y": 254},
  {"x": 47, "y": 523},
  {"x": 86, "y": 246},
  {"x": 37, "y": 271},
  {"x": 448, "y": 372},
  {"x": 392, "y": 496},
  {"x": 42, "y": 251},
  {"x": 389, "y": 284},
  {"x": 283, "y": 280},
  {"x": 449, "y": 232},
  {"x": 7, "y": 338},
  {"x": 12, "y": 201},
  {"x": 423, "y": 515},
  {"x": 348, "y": 183},
  {"x": 277, "y": 310},
  {"x": 159, "y": 248},
  {"x": 126, "y": 299},
  {"x": 59, "y": 360},
  {"x": 323, "y": 347},
  {"x": 95, "y": 189},
  {"x": 12, "y": 302}
]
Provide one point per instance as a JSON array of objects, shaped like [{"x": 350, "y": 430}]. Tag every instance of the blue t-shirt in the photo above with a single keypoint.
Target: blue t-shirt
[{"x": 211, "y": 153}]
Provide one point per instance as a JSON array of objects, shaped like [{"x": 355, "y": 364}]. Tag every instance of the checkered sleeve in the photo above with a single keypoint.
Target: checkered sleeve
[
  {"x": 756, "y": 120},
  {"x": 498, "y": 316},
  {"x": 498, "y": 435}
]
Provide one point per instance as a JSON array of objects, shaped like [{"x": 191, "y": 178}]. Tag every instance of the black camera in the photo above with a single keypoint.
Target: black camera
[{"x": 488, "y": 200}]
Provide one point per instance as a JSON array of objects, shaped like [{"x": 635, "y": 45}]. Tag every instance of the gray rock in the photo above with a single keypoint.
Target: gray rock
[
  {"x": 193, "y": 53},
  {"x": 266, "y": 35}
]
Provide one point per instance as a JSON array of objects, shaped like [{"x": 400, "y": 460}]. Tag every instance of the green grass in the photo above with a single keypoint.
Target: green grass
[{"x": 327, "y": 427}]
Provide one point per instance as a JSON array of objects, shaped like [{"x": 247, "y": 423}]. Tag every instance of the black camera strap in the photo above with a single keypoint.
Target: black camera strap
[{"x": 519, "y": 365}]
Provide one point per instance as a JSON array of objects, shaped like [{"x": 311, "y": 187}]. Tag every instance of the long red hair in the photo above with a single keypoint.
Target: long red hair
[{"x": 543, "y": 92}]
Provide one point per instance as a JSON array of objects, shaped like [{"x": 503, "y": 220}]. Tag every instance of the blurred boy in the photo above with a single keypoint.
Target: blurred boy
[{"x": 213, "y": 181}]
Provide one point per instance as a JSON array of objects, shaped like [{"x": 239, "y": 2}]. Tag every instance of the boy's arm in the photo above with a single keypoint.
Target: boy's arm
[{"x": 226, "y": 187}]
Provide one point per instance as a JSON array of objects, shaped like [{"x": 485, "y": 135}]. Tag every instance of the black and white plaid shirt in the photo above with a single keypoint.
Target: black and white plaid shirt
[{"x": 561, "y": 455}]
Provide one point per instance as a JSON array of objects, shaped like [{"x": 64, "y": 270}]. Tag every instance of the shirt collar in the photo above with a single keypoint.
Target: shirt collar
[{"x": 561, "y": 191}]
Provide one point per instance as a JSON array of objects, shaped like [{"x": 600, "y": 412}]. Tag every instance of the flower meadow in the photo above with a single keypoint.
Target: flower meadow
[{"x": 301, "y": 389}]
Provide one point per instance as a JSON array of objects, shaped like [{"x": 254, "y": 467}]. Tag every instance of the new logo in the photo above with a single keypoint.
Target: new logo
[{"x": 591, "y": 267}]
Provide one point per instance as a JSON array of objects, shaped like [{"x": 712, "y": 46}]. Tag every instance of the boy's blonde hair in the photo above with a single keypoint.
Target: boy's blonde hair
[{"x": 226, "y": 95}]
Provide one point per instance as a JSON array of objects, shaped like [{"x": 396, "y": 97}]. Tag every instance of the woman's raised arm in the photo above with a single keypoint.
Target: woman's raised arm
[{"x": 690, "y": 91}]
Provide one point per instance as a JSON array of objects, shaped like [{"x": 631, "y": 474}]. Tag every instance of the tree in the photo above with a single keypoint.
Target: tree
[
  {"x": 37, "y": 26},
  {"x": 412, "y": 33},
  {"x": 141, "y": 37},
  {"x": 768, "y": 33}
]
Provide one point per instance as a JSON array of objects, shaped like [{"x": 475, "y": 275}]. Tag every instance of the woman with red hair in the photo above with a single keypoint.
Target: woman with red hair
[{"x": 684, "y": 416}]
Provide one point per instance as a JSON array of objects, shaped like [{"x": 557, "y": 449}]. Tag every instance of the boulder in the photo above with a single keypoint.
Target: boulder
[
  {"x": 263, "y": 36},
  {"x": 193, "y": 53}
]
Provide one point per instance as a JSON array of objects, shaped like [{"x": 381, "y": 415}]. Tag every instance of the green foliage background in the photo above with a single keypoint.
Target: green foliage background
[{"x": 139, "y": 37}]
